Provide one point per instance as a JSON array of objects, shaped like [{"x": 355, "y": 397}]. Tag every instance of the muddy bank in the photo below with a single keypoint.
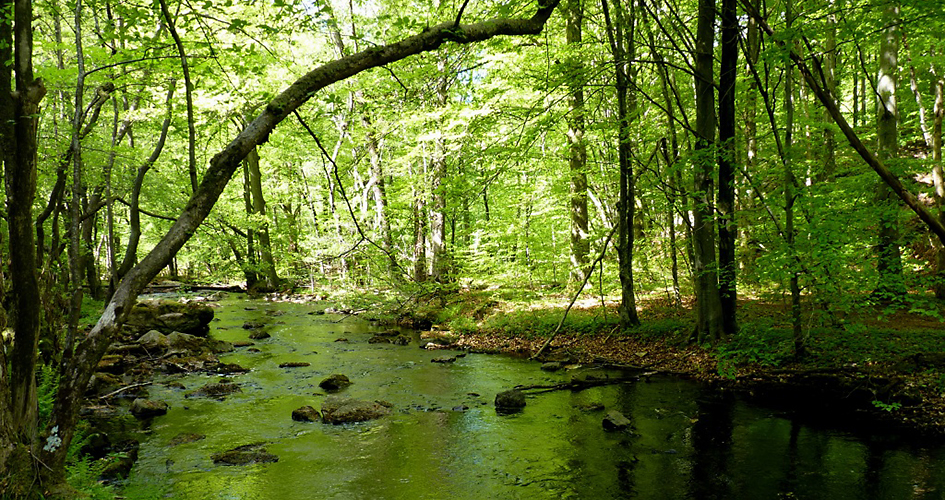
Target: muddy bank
[{"x": 880, "y": 395}]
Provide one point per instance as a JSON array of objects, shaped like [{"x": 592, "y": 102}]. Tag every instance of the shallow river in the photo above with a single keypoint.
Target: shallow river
[{"x": 687, "y": 441}]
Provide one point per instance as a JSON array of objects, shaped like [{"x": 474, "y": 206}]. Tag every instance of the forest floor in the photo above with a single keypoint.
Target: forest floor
[{"x": 882, "y": 363}]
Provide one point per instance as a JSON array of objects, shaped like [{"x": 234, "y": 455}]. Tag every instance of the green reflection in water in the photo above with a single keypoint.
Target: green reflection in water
[{"x": 687, "y": 442}]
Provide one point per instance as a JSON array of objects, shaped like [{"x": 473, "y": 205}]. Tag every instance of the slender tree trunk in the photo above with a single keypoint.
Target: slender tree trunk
[
  {"x": 830, "y": 85},
  {"x": 726, "y": 158},
  {"x": 266, "y": 261},
  {"x": 889, "y": 259},
  {"x": 134, "y": 225},
  {"x": 577, "y": 149},
  {"x": 709, "y": 325},
  {"x": 379, "y": 193},
  {"x": 440, "y": 259},
  {"x": 623, "y": 50},
  {"x": 790, "y": 184},
  {"x": 188, "y": 90},
  {"x": 419, "y": 230},
  {"x": 938, "y": 177}
]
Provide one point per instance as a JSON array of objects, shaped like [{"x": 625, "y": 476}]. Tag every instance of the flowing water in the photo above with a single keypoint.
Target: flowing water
[{"x": 444, "y": 439}]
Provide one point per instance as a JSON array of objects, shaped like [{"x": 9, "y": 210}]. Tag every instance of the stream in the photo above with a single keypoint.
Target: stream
[{"x": 444, "y": 439}]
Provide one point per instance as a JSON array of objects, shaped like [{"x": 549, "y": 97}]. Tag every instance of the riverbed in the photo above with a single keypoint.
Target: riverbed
[{"x": 445, "y": 440}]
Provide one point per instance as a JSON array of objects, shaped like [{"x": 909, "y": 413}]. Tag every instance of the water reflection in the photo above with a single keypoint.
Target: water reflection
[{"x": 445, "y": 440}]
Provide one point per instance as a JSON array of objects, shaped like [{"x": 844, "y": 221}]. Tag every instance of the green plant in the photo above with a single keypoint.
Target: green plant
[{"x": 890, "y": 407}]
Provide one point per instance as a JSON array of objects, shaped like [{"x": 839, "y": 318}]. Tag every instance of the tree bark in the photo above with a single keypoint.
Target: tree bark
[
  {"x": 938, "y": 177},
  {"x": 623, "y": 49},
  {"x": 889, "y": 258},
  {"x": 188, "y": 91},
  {"x": 379, "y": 193},
  {"x": 709, "y": 325},
  {"x": 268, "y": 264},
  {"x": 577, "y": 149},
  {"x": 222, "y": 166},
  {"x": 728, "y": 231},
  {"x": 439, "y": 257},
  {"x": 790, "y": 196},
  {"x": 19, "y": 117}
]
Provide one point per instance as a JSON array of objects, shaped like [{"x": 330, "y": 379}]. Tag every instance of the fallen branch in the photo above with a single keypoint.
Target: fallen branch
[
  {"x": 125, "y": 388},
  {"x": 577, "y": 294},
  {"x": 580, "y": 385}
]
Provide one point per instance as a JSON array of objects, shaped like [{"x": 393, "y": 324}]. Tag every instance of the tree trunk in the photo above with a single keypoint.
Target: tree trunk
[
  {"x": 623, "y": 50},
  {"x": 381, "y": 222},
  {"x": 440, "y": 264},
  {"x": 889, "y": 259},
  {"x": 938, "y": 178},
  {"x": 266, "y": 262},
  {"x": 790, "y": 184},
  {"x": 830, "y": 85},
  {"x": 419, "y": 229},
  {"x": 726, "y": 158},
  {"x": 577, "y": 149},
  {"x": 709, "y": 326},
  {"x": 188, "y": 91}
]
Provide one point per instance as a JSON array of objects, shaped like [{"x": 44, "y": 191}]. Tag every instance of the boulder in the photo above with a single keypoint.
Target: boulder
[
  {"x": 186, "y": 342},
  {"x": 400, "y": 340},
  {"x": 510, "y": 401},
  {"x": 339, "y": 410},
  {"x": 253, "y": 325},
  {"x": 243, "y": 455},
  {"x": 112, "y": 363},
  {"x": 146, "y": 408},
  {"x": 615, "y": 421},
  {"x": 168, "y": 316},
  {"x": 306, "y": 414},
  {"x": 103, "y": 383},
  {"x": 335, "y": 382},
  {"x": 154, "y": 340},
  {"x": 378, "y": 339},
  {"x": 217, "y": 390}
]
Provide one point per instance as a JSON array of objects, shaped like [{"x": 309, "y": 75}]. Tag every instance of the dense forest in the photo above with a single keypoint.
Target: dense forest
[{"x": 693, "y": 150}]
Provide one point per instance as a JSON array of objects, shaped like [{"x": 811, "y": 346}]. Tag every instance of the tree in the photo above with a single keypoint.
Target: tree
[
  {"x": 888, "y": 254},
  {"x": 622, "y": 46},
  {"x": 577, "y": 149},
  {"x": 708, "y": 302}
]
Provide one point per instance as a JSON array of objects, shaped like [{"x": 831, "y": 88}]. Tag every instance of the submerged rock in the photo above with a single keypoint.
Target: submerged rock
[
  {"x": 615, "y": 421},
  {"x": 306, "y": 414},
  {"x": 339, "y": 410},
  {"x": 146, "y": 408},
  {"x": 400, "y": 340},
  {"x": 243, "y": 455},
  {"x": 552, "y": 366},
  {"x": 379, "y": 339},
  {"x": 444, "y": 359},
  {"x": 259, "y": 335},
  {"x": 186, "y": 437},
  {"x": 253, "y": 325},
  {"x": 214, "y": 390},
  {"x": 294, "y": 364},
  {"x": 243, "y": 343},
  {"x": 510, "y": 401},
  {"x": 335, "y": 382}
]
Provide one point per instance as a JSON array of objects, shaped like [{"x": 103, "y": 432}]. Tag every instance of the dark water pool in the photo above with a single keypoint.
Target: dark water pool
[{"x": 688, "y": 441}]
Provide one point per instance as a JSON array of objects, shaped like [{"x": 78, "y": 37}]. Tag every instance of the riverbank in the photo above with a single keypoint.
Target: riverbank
[{"x": 879, "y": 365}]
